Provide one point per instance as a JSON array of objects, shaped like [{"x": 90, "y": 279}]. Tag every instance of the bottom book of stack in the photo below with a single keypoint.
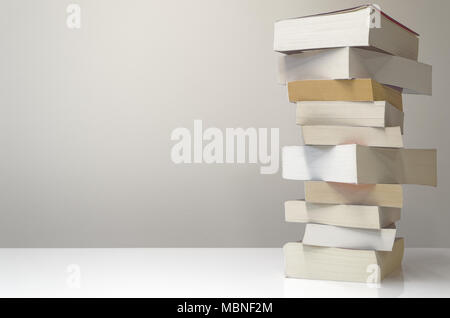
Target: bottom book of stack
[
  {"x": 341, "y": 264},
  {"x": 342, "y": 242}
]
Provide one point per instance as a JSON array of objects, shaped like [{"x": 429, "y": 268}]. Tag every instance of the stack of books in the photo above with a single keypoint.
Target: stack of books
[{"x": 346, "y": 72}]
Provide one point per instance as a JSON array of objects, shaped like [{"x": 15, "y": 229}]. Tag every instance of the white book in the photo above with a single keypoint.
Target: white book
[
  {"x": 349, "y": 63},
  {"x": 390, "y": 137},
  {"x": 360, "y": 164},
  {"x": 345, "y": 237},
  {"x": 350, "y": 27},
  {"x": 340, "y": 264},
  {"x": 348, "y": 113},
  {"x": 357, "y": 216}
]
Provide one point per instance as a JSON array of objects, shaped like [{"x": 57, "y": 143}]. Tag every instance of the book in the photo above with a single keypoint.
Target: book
[
  {"x": 360, "y": 164},
  {"x": 348, "y": 63},
  {"x": 390, "y": 137},
  {"x": 357, "y": 216},
  {"x": 344, "y": 113},
  {"x": 357, "y": 90},
  {"x": 349, "y": 27},
  {"x": 346, "y": 237},
  {"x": 328, "y": 263},
  {"x": 383, "y": 195}
]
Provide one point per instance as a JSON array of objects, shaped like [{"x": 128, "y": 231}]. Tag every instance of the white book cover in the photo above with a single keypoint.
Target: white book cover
[
  {"x": 363, "y": 26},
  {"x": 327, "y": 163},
  {"x": 344, "y": 237},
  {"x": 348, "y": 63}
]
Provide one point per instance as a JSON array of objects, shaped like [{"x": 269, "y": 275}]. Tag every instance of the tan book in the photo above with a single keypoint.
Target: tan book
[
  {"x": 357, "y": 90},
  {"x": 390, "y": 137},
  {"x": 344, "y": 113},
  {"x": 383, "y": 195},
  {"x": 357, "y": 216},
  {"x": 360, "y": 164},
  {"x": 329, "y": 263}
]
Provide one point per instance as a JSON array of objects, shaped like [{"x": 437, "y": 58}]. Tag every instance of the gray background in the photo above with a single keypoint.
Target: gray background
[{"x": 86, "y": 117}]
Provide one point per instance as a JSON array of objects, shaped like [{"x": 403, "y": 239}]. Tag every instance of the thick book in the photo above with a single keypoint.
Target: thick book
[
  {"x": 390, "y": 137},
  {"x": 345, "y": 113},
  {"x": 382, "y": 195},
  {"x": 348, "y": 63},
  {"x": 357, "y": 90},
  {"x": 360, "y": 164},
  {"x": 339, "y": 264},
  {"x": 357, "y": 216},
  {"x": 364, "y": 26},
  {"x": 346, "y": 237}
]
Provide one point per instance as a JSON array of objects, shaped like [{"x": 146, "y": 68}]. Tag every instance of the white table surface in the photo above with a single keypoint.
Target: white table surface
[{"x": 201, "y": 272}]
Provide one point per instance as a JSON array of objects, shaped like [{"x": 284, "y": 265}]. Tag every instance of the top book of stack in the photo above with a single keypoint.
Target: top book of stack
[{"x": 364, "y": 26}]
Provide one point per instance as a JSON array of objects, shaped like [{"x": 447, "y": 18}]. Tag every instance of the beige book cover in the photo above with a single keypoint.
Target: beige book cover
[
  {"x": 344, "y": 113},
  {"x": 402, "y": 166},
  {"x": 383, "y": 195},
  {"x": 343, "y": 90},
  {"x": 322, "y": 135},
  {"x": 357, "y": 216},
  {"x": 338, "y": 264}
]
